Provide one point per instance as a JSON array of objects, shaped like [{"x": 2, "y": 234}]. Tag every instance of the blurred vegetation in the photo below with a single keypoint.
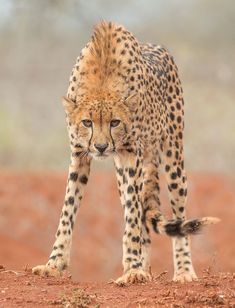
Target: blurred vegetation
[{"x": 40, "y": 41}]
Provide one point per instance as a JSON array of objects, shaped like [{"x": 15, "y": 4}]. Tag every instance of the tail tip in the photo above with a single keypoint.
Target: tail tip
[{"x": 210, "y": 220}]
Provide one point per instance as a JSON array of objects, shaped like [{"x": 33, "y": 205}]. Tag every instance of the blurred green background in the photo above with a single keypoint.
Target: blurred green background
[{"x": 40, "y": 40}]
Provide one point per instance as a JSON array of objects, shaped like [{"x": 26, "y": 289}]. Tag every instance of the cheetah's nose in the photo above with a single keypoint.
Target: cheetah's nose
[{"x": 101, "y": 147}]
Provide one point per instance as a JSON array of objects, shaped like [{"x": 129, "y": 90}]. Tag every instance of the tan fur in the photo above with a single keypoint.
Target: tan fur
[{"x": 102, "y": 68}]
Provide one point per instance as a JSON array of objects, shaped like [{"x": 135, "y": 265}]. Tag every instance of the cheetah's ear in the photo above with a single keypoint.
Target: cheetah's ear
[
  {"x": 130, "y": 101},
  {"x": 68, "y": 104}
]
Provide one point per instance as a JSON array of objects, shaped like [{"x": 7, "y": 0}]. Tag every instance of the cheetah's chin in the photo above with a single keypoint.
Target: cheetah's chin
[{"x": 100, "y": 157}]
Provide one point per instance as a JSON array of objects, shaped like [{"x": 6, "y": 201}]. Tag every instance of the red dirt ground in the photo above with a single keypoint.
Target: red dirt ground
[
  {"x": 23, "y": 289},
  {"x": 29, "y": 211}
]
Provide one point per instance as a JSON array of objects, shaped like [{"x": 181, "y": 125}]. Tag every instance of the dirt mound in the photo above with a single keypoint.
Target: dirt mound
[{"x": 22, "y": 289}]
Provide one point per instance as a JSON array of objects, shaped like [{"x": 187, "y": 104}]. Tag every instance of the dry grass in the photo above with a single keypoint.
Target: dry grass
[{"x": 78, "y": 298}]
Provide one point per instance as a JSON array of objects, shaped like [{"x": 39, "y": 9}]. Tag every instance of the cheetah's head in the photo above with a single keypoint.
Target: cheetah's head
[{"x": 99, "y": 127}]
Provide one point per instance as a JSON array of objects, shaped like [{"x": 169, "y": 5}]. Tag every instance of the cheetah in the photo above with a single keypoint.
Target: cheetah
[{"x": 125, "y": 100}]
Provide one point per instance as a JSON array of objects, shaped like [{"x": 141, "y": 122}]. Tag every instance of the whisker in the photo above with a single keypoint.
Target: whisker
[{"x": 83, "y": 154}]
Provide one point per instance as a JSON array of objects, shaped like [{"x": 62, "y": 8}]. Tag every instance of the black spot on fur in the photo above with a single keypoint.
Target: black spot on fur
[
  {"x": 135, "y": 252},
  {"x": 169, "y": 153},
  {"x": 167, "y": 168},
  {"x": 130, "y": 189},
  {"x": 181, "y": 191},
  {"x": 120, "y": 171},
  {"x": 71, "y": 200},
  {"x": 181, "y": 209},
  {"x": 128, "y": 203},
  {"x": 131, "y": 172},
  {"x": 73, "y": 176},
  {"x": 83, "y": 179}
]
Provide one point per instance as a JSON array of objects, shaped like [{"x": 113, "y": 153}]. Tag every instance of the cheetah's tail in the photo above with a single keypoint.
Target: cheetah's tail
[{"x": 181, "y": 228}]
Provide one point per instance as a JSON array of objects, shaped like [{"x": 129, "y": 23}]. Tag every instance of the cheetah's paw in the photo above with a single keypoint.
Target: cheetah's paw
[
  {"x": 185, "y": 277},
  {"x": 133, "y": 276},
  {"x": 46, "y": 271}
]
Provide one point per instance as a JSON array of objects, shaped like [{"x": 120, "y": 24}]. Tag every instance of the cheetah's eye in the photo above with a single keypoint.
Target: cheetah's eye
[
  {"x": 87, "y": 123},
  {"x": 115, "y": 123}
]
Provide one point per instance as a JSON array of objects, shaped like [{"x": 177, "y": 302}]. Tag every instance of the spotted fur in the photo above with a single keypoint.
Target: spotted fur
[{"x": 125, "y": 99}]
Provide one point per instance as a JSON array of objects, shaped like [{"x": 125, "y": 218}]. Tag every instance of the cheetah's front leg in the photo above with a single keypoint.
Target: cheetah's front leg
[
  {"x": 129, "y": 174},
  {"x": 60, "y": 255}
]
